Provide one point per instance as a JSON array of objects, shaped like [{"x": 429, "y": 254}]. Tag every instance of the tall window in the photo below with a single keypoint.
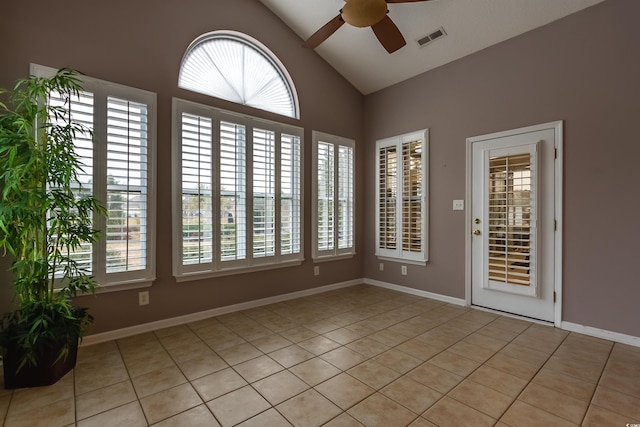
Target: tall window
[
  {"x": 333, "y": 196},
  {"x": 401, "y": 197},
  {"x": 238, "y": 68},
  {"x": 117, "y": 168},
  {"x": 239, "y": 205}
]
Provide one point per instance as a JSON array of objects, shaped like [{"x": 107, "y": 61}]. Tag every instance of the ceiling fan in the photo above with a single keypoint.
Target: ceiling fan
[{"x": 364, "y": 13}]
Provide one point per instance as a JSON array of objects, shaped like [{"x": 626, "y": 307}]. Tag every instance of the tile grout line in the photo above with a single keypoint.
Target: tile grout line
[
  {"x": 595, "y": 389},
  {"x": 538, "y": 371},
  {"x": 468, "y": 375},
  {"x": 531, "y": 379},
  {"x": 379, "y": 312}
]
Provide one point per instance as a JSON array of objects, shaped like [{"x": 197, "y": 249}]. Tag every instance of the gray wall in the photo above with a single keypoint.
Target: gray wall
[
  {"x": 583, "y": 69},
  {"x": 141, "y": 43}
]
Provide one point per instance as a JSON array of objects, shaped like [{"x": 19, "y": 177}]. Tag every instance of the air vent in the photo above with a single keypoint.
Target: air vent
[{"x": 423, "y": 41}]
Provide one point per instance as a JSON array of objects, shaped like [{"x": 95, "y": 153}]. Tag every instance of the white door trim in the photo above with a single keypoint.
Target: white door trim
[{"x": 557, "y": 127}]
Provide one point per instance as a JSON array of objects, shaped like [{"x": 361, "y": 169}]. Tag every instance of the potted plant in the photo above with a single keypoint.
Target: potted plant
[{"x": 45, "y": 219}]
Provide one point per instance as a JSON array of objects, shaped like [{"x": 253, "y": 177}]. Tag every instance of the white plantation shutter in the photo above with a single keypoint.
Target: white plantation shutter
[
  {"x": 401, "y": 196},
  {"x": 118, "y": 170},
  {"x": 264, "y": 178},
  {"x": 387, "y": 197},
  {"x": 127, "y": 184},
  {"x": 326, "y": 193},
  {"x": 511, "y": 213},
  {"x": 196, "y": 184},
  {"x": 81, "y": 111},
  {"x": 412, "y": 196},
  {"x": 256, "y": 171},
  {"x": 290, "y": 202},
  {"x": 333, "y": 192},
  {"x": 345, "y": 197},
  {"x": 233, "y": 197}
]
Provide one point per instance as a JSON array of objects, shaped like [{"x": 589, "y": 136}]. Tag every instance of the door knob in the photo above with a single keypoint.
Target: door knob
[{"x": 476, "y": 232}]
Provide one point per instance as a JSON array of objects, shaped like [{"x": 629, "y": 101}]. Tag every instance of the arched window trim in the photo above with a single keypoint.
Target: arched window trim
[{"x": 258, "y": 47}]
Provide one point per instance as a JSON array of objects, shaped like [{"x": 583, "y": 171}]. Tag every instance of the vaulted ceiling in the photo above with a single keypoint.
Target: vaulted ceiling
[{"x": 470, "y": 25}]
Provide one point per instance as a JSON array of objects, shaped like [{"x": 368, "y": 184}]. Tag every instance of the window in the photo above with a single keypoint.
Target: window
[
  {"x": 238, "y": 68},
  {"x": 401, "y": 197},
  {"x": 238, "y": 205},
  {"x": 333, "y": 196},
  {"x": 118, "y": 170}
]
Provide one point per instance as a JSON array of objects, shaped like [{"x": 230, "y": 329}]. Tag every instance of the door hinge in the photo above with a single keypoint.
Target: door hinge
[
  {"x": 555, "y": 224},
  {"x": 555, "y": 153},
  {"x": 554, "y": 296}
]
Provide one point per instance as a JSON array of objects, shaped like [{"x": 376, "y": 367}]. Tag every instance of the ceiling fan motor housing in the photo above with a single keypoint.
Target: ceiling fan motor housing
[{"x": 364, "y": 13}]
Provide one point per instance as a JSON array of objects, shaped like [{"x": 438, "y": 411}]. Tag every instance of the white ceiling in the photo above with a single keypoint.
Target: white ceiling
[{"x": 471, "y": 25}]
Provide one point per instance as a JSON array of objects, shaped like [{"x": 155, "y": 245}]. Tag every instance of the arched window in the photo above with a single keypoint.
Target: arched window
[{"x": 238, "y": 68}]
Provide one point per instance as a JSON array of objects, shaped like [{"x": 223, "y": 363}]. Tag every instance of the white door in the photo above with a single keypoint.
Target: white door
[{"x": 513, "y": 245}]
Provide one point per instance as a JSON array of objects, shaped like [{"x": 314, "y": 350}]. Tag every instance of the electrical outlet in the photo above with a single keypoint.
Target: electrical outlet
[
  {"x": 382, "y": 266},
  {"x": 316, "y": 270},
  {"x": 403, "y": 270},
  {"x": 143, "y": 298}
]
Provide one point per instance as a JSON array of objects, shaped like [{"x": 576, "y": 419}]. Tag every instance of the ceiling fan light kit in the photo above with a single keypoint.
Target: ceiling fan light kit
[{"x": 364, "y": 13}]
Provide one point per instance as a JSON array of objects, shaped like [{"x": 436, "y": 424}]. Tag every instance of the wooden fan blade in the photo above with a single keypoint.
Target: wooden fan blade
[
  {"x": 324, "y": 32},
  {"x": 404, "y": 1},
  {"x": 388, "y": 34}
]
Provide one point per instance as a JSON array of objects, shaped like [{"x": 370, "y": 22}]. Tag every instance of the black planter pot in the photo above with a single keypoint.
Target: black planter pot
[{"x": 46, "y": 373}]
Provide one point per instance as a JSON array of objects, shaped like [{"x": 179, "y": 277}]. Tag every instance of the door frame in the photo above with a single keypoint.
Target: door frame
[{"x": 557, "y": 127}]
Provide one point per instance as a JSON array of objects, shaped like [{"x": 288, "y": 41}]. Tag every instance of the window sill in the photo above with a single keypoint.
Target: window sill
[
  {"x": 328, "y": 258},
  {"x": 403, "y": 260},
  {"x": 199, "y": 275},
  {"x": 125, "y": 286}
]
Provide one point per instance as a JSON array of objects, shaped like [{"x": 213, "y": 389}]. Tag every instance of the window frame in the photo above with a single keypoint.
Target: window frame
[
  {"x": 217, "y": 267},
  {"x": 399, "y": 254},
  {"x": 103, "y": 90},
  {"x": 336, "y": 252}
]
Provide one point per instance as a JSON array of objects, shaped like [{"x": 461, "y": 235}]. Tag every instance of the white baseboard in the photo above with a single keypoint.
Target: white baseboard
[
  {"x": 601, "y": 333},
  {"x": 568, "y": 326},
  {"x": 417, "y": 292},
  {"x": 193, "y": 317}
]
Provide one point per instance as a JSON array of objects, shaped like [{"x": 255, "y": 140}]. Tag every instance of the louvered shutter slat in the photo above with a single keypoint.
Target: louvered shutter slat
[
  {"x": 197, "y": 235},
  {"x": 126, "y": 186}
]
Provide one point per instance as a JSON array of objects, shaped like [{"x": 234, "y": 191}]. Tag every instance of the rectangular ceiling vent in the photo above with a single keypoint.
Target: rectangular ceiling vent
[{"x": 429, "y": 38}]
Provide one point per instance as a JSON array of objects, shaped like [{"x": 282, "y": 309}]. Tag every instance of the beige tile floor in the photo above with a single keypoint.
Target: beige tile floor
[{"x": 351, "y": 357}]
